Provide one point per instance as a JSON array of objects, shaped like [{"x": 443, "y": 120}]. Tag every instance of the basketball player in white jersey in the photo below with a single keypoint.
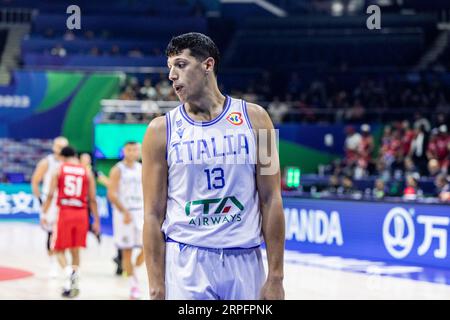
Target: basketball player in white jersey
[
  {"x": 125, "y": 193},
  {"x": 43, "y": 172},
  {"x": 205, "y": 213}
]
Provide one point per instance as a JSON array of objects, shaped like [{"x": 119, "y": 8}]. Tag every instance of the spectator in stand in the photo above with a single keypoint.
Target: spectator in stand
[
  {"x": 360, "y": 170},
  {"x": 198, "y": 9},
  {"x": 420, "y": 120},
  {"x": 49, "y": 33},
  {"x": 379, "y": 191},
  {"x": 164, "y": 89},
  {"x": 356, "y": 112},
  {"x": 386, "y": 141},
  {"x": 294, "y": 84},
  {"x": 433, "y": 168},
  {"x": 95, "y": 51},
  {"x": 408, "y": 136},
  {"x": 442, "y": 183},
  {"x": 128, "y": 94},
  {"x": 69, "y": 36},
  {"x": 412, "y": 191},
  {"x": 277, "y": 110},
  {"x": 397, "y": 166},
  {"x": 347, "y": 185},
  {"x": 418, "y": 149},
  {"x": 250, "y": 95},
  {"x": 333, "y": 184},
  {"x": 394, "y": 149},
  {"x": 382, "y": 170},
  {"x": 438, "y": 147},
  {"x": 135, "y": 53},
  {"x": 89, "y": 35},
  {"x": 59, "y": 51},
  {"x": 115, "y": 50},
  {"x": 410, "y": 168},
  {"x": 366, "y": 145},
  {"x": 264, "y": 86},
  {"x": 148, "y": 91},
  {"x": 441, "y": 119},
  {"x": 352, "y": 142}
]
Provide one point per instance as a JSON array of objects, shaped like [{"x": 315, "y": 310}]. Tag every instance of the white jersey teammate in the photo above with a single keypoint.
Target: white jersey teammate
[
  {"x": 43, "y": 173},
  {"x": 125, "y": 193}
]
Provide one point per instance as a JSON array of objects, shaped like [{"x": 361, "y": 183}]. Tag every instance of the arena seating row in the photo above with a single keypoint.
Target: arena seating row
[
  {"x": 426, "y": 184},
  {"x": 394, "y": 50},
  {"x": 310, "y": 40},
  {"x": 35, "y": 59},
  {"x": 19, "y": 158},
  {"x": 129, "y": 26},
  {"x": 83, "y": 46},
  {"x": 117, "y": 7}
]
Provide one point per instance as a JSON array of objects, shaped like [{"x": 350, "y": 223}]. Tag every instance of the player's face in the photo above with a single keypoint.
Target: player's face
[
  {"x": 132, "y": 152},
  {"x": 187, "y": 75},
  {"x": 58, "y": 145},
  {"x": 85, "y": 159}
]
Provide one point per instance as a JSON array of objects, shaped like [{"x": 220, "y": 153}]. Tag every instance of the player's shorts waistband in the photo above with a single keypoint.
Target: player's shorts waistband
[{"x": 206, "y": 248}]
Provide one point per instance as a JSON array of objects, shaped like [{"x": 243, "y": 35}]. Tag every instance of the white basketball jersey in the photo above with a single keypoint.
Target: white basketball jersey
[
  {"x": 212, "y": 198},
  {"x": 53, "y": 165},
  {"x": 130, "y": 186}
]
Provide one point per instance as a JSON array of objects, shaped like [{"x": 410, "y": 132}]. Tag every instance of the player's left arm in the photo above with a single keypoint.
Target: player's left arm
[
  {"x": 93, "y": 202},
  {"x": 51, "y": 193},
  {"x": 268, "y": 182}
]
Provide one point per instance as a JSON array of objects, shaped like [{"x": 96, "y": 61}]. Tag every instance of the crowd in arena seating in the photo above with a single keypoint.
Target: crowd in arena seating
[
  {"x": 132, "y": 89},
  {"x": 19, "y": 158},
  {"x": 160, "y": 91},
  {"x": 405, "y": 155},
  {"x": 327, "y": 100}
]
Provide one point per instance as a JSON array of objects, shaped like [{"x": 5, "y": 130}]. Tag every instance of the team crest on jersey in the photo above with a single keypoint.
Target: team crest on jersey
[
  {"x": 235, "y": 118},
  {"x": 179, "y": 123},
  {"x": 180, "y": 132}
]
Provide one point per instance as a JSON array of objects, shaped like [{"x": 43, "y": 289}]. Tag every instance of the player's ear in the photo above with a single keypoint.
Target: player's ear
[{"x": 208, "y": 64}]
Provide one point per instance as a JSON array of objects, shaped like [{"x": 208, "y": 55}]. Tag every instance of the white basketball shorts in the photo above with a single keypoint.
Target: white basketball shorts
[
  {"x": 128, "y": 236},
  {"x": 194, "y": 273}
]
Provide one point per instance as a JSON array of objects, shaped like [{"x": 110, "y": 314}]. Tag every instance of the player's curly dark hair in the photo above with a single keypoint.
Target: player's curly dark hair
[
  {"x": 68, "y": 152},
  {"x": 200, "y": 45}
]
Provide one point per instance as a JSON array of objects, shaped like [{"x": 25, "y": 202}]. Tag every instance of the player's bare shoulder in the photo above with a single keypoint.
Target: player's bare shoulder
[
  {"x": 155, "y": 136},
  {"x": 259, "y": 117}
]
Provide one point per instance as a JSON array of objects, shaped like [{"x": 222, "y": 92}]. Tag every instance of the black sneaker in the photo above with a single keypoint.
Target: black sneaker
[
  {"x": 71, "y": 293},
  {"x": 118, "y": 262}
]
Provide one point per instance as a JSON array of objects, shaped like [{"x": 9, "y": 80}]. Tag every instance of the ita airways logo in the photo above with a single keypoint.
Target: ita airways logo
[
  {"x": 214, "y": 211},
  {"x": 398, "y": 232},
  {"x": 235, "y": 118}
]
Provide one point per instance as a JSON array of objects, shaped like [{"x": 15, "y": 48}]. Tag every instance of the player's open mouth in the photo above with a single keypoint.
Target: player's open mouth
[{"x": 178, "y": 88}]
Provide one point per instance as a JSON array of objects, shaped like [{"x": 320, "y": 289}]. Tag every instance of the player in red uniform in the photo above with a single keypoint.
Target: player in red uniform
[{"x": 75, "y": 186}]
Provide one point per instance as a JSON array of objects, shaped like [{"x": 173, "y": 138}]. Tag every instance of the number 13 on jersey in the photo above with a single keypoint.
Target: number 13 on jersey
[{"x": 215, "y": 178}]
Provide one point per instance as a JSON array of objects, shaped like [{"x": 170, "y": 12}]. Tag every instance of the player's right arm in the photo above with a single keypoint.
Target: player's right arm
[
  {"x": 93, "y": 202},
  {"x": 154, "y": 182},
  {"x": 37, "y": 177},
  {"x": 113, "y": 187},
  {"x": 48, "y": 200}
]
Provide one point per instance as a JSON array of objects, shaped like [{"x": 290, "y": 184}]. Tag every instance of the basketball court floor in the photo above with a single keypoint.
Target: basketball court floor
[{"x": 24, "y": 270}]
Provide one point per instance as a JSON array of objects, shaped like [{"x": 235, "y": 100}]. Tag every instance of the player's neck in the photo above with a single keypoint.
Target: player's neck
[
  {"x": 72, "y": 161},
  {"x": 209, "y": 104},
  {"x": 129, "y": 163}
]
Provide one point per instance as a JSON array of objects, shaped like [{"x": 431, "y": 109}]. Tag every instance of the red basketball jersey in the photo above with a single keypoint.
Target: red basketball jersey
[{"x": 72, "y": 186}]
